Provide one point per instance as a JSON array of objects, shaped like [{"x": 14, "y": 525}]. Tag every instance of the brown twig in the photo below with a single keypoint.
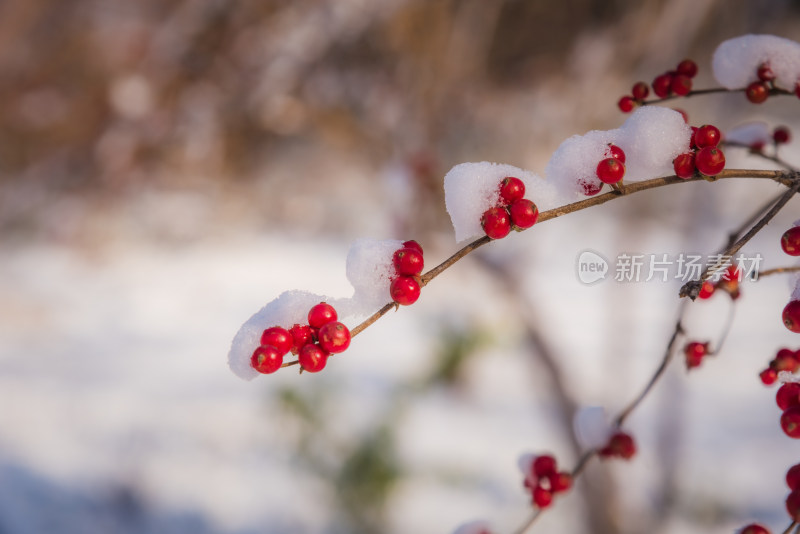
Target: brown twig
[
  {"x": 692, "y": 289},
  {"x": 773, "y": 92},
  {"x": 778, "y": 270},
  {"x": 790, "y": 527}
]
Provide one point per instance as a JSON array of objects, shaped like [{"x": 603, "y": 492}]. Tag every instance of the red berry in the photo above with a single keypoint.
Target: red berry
[
  {"x": 662, "y": 85},
  {"x": 542, "y": 497},
  {"x": 312, "y": 358},
  {"x": 781, "y": 135},
  {"x": 785, "y": 360},
  {"x": 321, "y": 314},
  {"x": 757, "y": 92},
  {"x": 684, "y": 165},
  {"x": 278, "y": 337},
  {"x": 797, "y": 89},
  {"x": 625, "y": 104},
  {"x": 788, "y": 395},
  {"x": 266, "y": 359},
  {"x": 707, "y": 135},
  {"x": 543, "y": 466},
  {"x": 765, "y": 73},
  {"x": 523, "y": 213},
  {"x": 793, "y": 505},
  {"x": 694, "y": 353},
  {"x": 496, "y": 223},
  {"x": 413, "y": 244},
  {"x": 681, "y": 84},
  {"x": 560, "y": 482},
  {"x": 408, "y": 262},
  {"x": 791, "y": 316},
  {"x": 793, "y": 477},
  {"x": 790, "y": 422},
  {"x": 511, "y": 189},
  {"x": 640, "y": 91},
  {"x": 610, "y": 170},
  {"x": 706, "y": 290},
  {"x": 710, "y": 160},
  {"x": 590, "y": 188},
  {"x": 621, "y": 444},
  {"x": 790, "y": 241},
  {"x": 687, "y": 67},
  {"x": 768, "y": 376},
  {"x": 404, "y": 290},
  {"x": 754, "y": 528},
  {"x": 334, "y": 337},
  {"x": 616, "y": 152},
  {"x": 692, "y": 142},
  {"x": 301, "y": 336}
]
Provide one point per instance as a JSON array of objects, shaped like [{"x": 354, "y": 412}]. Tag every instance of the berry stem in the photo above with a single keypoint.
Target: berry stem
[
  {"x": 790, "y": 527},
  {"x": 725, "y": 330}
]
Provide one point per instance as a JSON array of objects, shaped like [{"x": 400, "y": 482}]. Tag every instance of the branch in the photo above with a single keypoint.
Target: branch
[
  {"x": 778, "y": 270},
  {"x": 692, "y": 289},
  {"x": 772, "y": 92}
]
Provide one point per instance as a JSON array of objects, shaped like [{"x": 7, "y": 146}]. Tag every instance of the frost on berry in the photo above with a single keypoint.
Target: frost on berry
[
  {"x": 291, "y": 307},
  {"x": 472, "y": 188},
  {"x": 736, "y": 61}
]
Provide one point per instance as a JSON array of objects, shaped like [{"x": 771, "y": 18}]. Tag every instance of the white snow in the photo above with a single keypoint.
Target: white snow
[
  {"x": 736, "y": 61},
  {"x": 750, "y": 133},
  {"x": 651, "y": 138},
  {"x": 592, "y": 427},
  {"x": 289, "y": 308},
  {"x": 472, "y": 188},
  {"x": 370, "y": 270},
  {"x": 784, "y": 377}
]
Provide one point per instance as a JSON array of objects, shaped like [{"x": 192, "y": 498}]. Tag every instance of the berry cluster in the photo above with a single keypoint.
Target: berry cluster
[
  {"x": 512, "y": 210},
  {"x": 704, "y": 155},
  {"x": 408, "y": 263},
  {"x": 790, "y": 243},
  {"x": 694, "y": 353},
  {"x": 543, "y": 480},
  {"x": 788, "y": 400},
  {"x": 675, "y": 82},
  {"x": 611, "y": 169},
  {"x": 312, "y": 342},
  {"x": 785, "y": 360},
  {"x": 758, "y": 91},
  {"x": 620, "y": 445}
]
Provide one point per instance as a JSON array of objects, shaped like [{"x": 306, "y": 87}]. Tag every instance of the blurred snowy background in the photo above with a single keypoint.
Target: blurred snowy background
[{"x": 166, "y": 168}]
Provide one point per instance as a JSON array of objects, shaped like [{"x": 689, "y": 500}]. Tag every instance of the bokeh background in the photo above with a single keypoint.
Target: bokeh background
[{"x": 168, "y": 167}]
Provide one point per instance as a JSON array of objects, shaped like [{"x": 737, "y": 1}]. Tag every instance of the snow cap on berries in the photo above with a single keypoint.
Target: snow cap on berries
[
  {"x": 289, "y": 308},
  {"x": 472, "y": 188},
  {"x": 574, "y": 163},
  {"x": 370, "y": 272},
  {"x": 736, "y": 61},
  {"x": 652, "y": 137}
]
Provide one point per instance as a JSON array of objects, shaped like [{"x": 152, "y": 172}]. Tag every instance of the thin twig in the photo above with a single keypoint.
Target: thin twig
[
  {"x": 790, "y": 527},
  {"x": 773, "y": 158},
  {"x": 661, "y": 368},
  {"x": 778, "y": 270},
  {"x": 774, "y": 91},
  {"x": 726, "y": 329},
  {"x": 692, "y": 289}
]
